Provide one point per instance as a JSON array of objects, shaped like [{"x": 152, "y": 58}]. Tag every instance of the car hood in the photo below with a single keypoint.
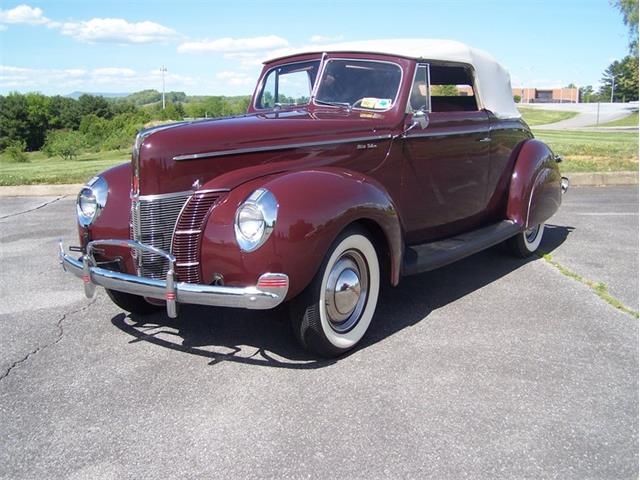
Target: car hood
[{"x": 236, "y": 149}]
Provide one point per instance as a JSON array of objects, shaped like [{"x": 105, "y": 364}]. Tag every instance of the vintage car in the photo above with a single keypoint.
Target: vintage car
[{"x": 354, "y": 166}]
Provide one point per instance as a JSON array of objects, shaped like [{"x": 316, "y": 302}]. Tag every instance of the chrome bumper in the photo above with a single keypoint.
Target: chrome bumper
[{"x": 269, "y": 292}]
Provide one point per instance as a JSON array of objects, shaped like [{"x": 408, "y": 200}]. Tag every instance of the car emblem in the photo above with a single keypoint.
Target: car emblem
[{"x": 196, "y": 184}]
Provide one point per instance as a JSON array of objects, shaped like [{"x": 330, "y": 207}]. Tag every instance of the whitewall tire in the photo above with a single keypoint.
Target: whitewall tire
[
  {"x": 334, "y": 312},
  {"x": 526, "y": 243}
]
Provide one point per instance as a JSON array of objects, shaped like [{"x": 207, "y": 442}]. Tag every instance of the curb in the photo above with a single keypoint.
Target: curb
[
  {"x": 602, "y": 179},
  {"x": 40, "y": 190},
  {"x": 578, "y": 179}
]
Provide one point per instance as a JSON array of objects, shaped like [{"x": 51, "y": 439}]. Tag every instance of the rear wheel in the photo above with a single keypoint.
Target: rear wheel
[
  {"x": 334, "y": 312},
  {"x": 133, "y": 303},
  {"x": 526, "y": 243}
]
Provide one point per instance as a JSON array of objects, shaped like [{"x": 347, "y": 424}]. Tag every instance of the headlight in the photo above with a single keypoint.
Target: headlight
[
  {"x": 256, "y": 219},
  {"x": 91, "y": 200}
]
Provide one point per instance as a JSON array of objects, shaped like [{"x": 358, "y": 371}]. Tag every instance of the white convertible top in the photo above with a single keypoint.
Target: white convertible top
[{"x": 493, "y": 83}]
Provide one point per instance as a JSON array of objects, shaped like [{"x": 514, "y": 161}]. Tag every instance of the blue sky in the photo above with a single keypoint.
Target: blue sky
[{"x": 216, "y": 47}]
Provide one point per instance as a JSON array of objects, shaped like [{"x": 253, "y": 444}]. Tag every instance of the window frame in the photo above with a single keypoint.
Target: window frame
[
  {"x": 326, "y": 62},
  {"x": 429, "y": 64},
  {"x": 263, "y": 82}
]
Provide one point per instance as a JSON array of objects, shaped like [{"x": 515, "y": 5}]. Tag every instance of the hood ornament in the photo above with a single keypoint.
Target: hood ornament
[{"x": 196, "y": 184}]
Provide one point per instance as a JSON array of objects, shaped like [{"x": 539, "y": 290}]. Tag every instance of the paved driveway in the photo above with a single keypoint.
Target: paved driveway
[
  {"x": 589, "y": 114},
  {"x": 489, "y": 368}
]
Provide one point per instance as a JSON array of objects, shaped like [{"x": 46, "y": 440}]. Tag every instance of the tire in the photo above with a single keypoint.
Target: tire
[
  {"x": 329, "y": 323},
  {"x": 133, "y": 303},
  {"x": 526, "y": 243}
]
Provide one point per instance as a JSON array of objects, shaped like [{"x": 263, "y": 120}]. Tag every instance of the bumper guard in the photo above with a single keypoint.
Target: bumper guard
[{"x": 269, "y": 292}]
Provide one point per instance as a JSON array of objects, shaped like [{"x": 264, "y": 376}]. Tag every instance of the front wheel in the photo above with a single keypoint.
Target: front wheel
[
  {"x": 133, "y": 303},
  {"x": 334, "y": 312},
  {"x": 526, "y": 243}
]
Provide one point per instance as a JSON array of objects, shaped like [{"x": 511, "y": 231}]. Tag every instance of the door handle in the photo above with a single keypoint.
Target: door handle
[{"x": 485, "y": 139}]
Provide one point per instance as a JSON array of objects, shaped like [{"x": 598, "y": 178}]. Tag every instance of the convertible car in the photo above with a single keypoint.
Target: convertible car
[{"x": 355, "y": 165}]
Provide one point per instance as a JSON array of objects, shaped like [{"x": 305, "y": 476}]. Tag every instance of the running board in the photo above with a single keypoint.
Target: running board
[{"x": 429, "y": 256}]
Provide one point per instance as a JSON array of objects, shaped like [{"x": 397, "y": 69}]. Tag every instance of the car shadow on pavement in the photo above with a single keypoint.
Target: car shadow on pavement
[{"x": 263, "y": 338}]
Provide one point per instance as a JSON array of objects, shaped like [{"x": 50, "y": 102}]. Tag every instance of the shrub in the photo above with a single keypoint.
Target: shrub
[
  {"x": 66, "y": 144},
  {"x": 15, "y": 152}
]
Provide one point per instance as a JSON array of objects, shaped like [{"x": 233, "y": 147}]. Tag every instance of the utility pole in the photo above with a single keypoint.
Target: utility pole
[{"x": 163, "y": 69}]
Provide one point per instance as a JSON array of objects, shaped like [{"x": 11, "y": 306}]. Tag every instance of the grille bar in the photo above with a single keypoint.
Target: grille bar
[
  {"x": 188, "y": 232},
  {"x": 153, "y": 219}
]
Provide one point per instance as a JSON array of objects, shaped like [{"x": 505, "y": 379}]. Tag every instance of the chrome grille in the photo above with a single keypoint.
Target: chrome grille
[
  {"x": 153, "y": 219},
  {"x": 186, "y": 239}
]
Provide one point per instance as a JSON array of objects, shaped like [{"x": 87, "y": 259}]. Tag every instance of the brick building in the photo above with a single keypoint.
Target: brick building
[{"x": 546, "y": 95}]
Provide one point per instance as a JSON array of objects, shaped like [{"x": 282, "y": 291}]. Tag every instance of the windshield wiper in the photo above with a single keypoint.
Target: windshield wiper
[{"x": 334, "y": 104}]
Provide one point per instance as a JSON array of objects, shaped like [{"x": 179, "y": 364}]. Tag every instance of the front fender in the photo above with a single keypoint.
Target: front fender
[
  {"x": 535, "y": 193},
  {"x": 314, "y": 206}
]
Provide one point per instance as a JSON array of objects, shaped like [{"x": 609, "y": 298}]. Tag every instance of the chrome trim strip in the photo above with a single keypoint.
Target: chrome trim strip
[
  {"x": 187, "y": 264},
  {"x": 448, "y": 134},
  {"x": 270, "y": 290},
  {"x": 186, "y": 232},
  {"x": 160, "y": 196},
  {"x": 285, "y": 146}
]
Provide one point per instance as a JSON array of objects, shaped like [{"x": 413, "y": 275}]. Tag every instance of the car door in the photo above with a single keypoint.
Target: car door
[{"x": 450, "y": 158}]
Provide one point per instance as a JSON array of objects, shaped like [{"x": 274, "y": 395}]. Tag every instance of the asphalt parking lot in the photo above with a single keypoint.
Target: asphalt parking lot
[{"x": 488, "y": 368}]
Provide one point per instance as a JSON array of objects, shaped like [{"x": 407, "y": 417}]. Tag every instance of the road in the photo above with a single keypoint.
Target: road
[
  {"x": 488, "y": 368},
  {"x": 588, "y": 115}
]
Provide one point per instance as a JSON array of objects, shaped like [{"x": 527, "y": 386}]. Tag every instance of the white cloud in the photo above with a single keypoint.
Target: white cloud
[
  {"x": 23, "y": 14},
  {"x": 229, "y": 44},
  {"x": 95, "y": 30},
  {"x": 325, "y": 39},
  {"x": 109, "y": 78},
  {"x": 117, "y": 30},
  {"x": 235, "y": 78}
]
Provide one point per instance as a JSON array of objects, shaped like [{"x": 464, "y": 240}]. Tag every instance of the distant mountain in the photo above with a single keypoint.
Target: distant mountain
[{"x": 76, "y": 95}]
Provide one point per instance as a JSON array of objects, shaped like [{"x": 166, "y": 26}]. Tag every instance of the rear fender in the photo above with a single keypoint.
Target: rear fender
[
  {"x": 314, "y": 206},
  {"x": 535, "y": 193}
]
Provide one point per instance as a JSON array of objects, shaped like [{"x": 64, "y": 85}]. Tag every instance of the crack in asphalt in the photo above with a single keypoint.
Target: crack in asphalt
[
  {"x": 47, "y": 345},
  {"x": 599, "y": 288},
  {"x": 34, "y": 208}
]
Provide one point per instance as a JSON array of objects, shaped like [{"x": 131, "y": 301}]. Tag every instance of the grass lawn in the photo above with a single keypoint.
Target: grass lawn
[
  {"x": 593, "y": 151},
  {"x": 42, "y": 169},
  {"x": 534, "y": 116},
  {"x": 628, "y": 121}
]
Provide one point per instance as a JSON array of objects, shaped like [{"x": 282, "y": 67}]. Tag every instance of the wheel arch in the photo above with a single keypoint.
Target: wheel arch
[
  {"x": 535, "y": 191},
  {"x": 314, "y": 207}
]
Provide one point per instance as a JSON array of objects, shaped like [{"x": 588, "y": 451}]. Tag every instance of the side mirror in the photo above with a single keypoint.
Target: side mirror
[{"x": 420, "y": 119}]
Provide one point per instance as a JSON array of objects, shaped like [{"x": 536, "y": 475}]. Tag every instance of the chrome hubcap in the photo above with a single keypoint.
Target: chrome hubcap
[
  {"x": 346, "y": 291},
  {"x": 531, "y": 234}
]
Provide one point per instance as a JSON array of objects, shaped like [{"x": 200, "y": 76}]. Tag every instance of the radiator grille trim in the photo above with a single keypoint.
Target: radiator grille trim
[
  {"x": 153, "y": 220},
  {"x": 188, "y": 235}
]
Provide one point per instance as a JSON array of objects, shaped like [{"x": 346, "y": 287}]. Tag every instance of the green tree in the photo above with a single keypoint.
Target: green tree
[
  {"x": 66, "y": 144},
  {"x": 15, "y": 152},
  {"x": 588, "y": 95},
  {"x": 444, "y": 90},
  {"x": 64, "y": 112},
  {"x": 14, "y": 120},
  {"x": 629, "y": 10},
  {"x": 91, "y": 104},
  {"x": 625, "y": 72}
]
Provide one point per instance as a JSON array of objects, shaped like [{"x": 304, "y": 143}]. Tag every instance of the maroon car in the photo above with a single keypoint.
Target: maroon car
[{"x": 354, "y": 166}]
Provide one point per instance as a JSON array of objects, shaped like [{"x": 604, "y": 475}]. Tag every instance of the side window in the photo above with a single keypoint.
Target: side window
[
  {"x": 288, "y": 85},
  {"x": 451, "y": 89},
  {"x": 418, "y": 99}
]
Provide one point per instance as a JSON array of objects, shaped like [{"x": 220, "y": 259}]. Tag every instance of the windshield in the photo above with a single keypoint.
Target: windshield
[
  {"x": 360, "y": 84},
  {"x": 289, "y": 84}
]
